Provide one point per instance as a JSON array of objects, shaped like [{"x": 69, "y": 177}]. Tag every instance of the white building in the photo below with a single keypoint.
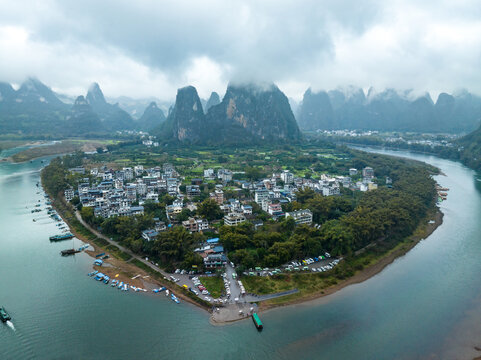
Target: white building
[
  {"x": 234, "y": 219},
  {"x": 287, "y": 177},
  {"x": 301, "y": 216}
]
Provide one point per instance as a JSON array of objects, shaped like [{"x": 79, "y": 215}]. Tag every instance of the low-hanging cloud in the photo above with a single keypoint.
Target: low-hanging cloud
[{"x": 149, "y": 48}]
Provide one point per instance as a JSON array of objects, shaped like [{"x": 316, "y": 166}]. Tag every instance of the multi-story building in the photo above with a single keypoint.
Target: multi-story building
[
  {"x": 195, "y": 225},
  {"x": 218, "y": 196},
  {"x": 69, "y": 194},
  {"x": 234, "y": 219},
  {"x": 261, "y": 195},
  {"x": 368, "y": 172},
  {"x": 301, "y": 216},
  {"x": 287, "y": 177}
]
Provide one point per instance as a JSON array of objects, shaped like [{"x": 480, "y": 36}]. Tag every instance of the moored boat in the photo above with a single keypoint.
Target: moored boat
[
  {"x": 69, "y": 252},
  {"x": 61, "y": 237},
  {"x": 257, "y": 321}
]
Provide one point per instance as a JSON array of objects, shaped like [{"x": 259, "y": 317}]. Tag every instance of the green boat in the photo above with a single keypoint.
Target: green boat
[
  {"x": 257, "y": 321},
  {"x": 4, "y": 315},
  {"x": 61, "y": 237}
]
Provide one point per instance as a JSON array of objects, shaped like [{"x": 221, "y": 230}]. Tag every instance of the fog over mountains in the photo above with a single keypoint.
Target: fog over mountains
[
  {"x": 388, "y": 110},
  {"x": 247, "y": 113}
]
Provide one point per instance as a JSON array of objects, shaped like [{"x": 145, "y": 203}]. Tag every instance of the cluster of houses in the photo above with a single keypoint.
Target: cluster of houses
[
  {"x": 123, "y": 193},
  {"x": 212, "y": 253},
  {"x": 114, "y": 192}
]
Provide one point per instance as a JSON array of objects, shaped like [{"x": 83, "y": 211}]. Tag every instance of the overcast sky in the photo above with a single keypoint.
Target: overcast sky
[{"x": 150, "y": 48}]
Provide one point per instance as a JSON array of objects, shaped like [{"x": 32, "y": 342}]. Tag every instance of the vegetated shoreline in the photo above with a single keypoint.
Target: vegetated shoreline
[{"x": 368, "y": 272}]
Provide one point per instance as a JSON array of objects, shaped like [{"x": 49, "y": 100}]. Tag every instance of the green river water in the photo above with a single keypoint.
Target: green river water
[{"x": 425, "y": 305}]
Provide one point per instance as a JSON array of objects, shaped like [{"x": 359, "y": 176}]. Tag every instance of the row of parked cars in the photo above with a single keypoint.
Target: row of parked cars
[
  {"x": 199, "y": 286},
  {"x": 326, "y": 267}
]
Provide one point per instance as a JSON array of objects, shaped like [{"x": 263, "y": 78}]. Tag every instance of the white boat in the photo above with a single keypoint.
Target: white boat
[{"x": 167, "y": 292}]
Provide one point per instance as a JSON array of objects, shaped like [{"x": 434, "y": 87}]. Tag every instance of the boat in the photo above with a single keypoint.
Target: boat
[
  {"x": 175, "y": 299},
  {"x": 121, "y": 285},
  {"x": 69, "y": 252},
  {"x": 257, "y": 321},
  {"x": 98, "y": 262},
  {"x": 105, "y": 257},
  {"x": 34, "y": 220},
  {"x": 92, "y": 273},
  {"x": 61, "y": 237},
  {"x": 99, "y": 276},
  {"x": 4, "y": 315},
  {"x": 114, "y": 283},
  {"x": 106, "y": 279},
  {"x": 99, "y": 255},
  {"x": 166, "y": 292}
]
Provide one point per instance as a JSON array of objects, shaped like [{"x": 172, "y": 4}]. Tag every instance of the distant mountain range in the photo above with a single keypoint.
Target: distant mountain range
[
  {"x": 248, "y": 114},
  {"x": 388, "y": 110},
  {"x": 35, "y": 110}
]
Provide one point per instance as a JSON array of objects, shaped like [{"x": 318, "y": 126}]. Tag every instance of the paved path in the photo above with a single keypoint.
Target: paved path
[
  {"x": 124, "y": 249},
  {"x": 255, "y": 298}
]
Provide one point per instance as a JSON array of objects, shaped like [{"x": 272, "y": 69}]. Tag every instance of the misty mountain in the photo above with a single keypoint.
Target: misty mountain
[
  {"x": 388, "y": 110},
  {"x": 82, "y": 118},
  {"x": 112, "y": 116},
  {"x": 32, "y": 109},
  {"x": 247, "y": 114},
  {"x": 136, "y": 107},
  {"x": 186, "y": 120},
  {"x": 214, "y": 99},
  {"x": 152, "y": 117}
]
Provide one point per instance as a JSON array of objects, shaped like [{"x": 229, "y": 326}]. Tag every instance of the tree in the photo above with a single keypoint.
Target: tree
[{"x": 210, "y": 210}]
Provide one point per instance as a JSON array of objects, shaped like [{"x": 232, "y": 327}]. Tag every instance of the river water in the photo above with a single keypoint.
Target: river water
[{"x": 425, "y": 305}]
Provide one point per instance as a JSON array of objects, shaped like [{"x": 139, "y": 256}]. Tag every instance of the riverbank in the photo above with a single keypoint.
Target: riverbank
[
  {"x": 122, "y": 261},
  {"x": 424, "y": 230}
]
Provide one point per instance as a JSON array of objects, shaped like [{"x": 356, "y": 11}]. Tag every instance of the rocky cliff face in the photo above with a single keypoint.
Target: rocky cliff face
[
  {"x": 253, "y": 114},
  {"x": 186, "y": 121},
  {"x": 248, "y": 114}
]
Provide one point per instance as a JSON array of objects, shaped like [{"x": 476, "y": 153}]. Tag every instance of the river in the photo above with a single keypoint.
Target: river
[{"x": 426, "y": 304}]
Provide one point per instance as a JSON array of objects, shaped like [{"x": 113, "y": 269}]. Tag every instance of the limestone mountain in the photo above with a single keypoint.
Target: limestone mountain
[
  {"x": 34, "y": 92},
  {"x": 82, "y": 119},
  {"x": 253, "y": 114},
  {"x": 152, "y": 117},
  {"x": 112, "y": 116},
  {"x": 315, "y": 111},
  {"x": 32, "y": 109},
  {"x": 214, "y": 99},
  {"x": 248, "y": 114},
  {"x": 186, "y": 119},
  {"x": 389, "y": 110}
]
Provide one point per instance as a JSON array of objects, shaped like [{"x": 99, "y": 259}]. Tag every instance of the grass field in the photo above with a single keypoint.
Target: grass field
[
  {"x": 64, "y": 147},
  {"x": 214, "y": 284}
]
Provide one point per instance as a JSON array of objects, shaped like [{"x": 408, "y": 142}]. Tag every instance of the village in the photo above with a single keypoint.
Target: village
[{"x": 124, "y": 192}]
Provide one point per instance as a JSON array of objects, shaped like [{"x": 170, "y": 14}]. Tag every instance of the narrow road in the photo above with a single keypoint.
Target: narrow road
[{"x": 125, "y": 250}]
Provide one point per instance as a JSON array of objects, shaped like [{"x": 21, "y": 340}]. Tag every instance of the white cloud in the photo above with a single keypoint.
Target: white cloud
[{"x": 151, "y": 48}]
